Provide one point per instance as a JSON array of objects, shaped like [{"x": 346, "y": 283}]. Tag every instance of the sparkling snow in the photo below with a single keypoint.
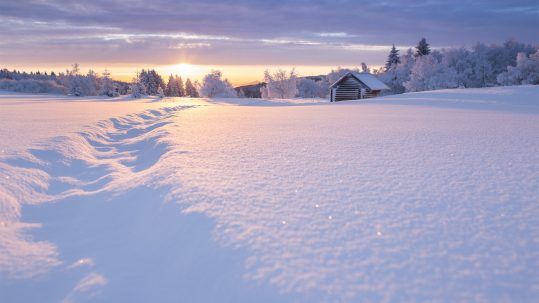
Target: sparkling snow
[{"x": 419, "y": 197}]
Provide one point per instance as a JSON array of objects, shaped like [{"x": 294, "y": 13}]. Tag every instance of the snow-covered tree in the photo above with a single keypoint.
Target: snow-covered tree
[
  {"x": 422, "y": 48},
  {"x": 280, "y": 84},
  {"x": 72, "y": 80},
  {"x": 80, "y": 85},
  {"x": 180, "y": 87},
  {"x": 483, "y": 74},
  {"x": 214, "y": 86},
  {"x": 151, "y": 80},
  {"x": 461, "y": 60},
  {"x": 172, "y": 87},
  {"x": 90, "y": 84},
  {"x": 505, "y": 55},
  {"x": 108, "y": 88},
  {"x": 190, "y": 89},
  {"x": 526, "y": 71},
  {"x": 138, "y": 89},
  {"x": 430, "y": 74},
  {"x": 308, "y": 88},
  {"x": 323, "y": 87},
  {"x": 160, "y": 92},
  {"x": 393, "y": 58},
  {"x": 396, "y": 76}
]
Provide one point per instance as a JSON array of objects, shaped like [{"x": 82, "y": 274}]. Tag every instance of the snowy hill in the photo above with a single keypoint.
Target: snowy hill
[{"x": 419, "y": 197}]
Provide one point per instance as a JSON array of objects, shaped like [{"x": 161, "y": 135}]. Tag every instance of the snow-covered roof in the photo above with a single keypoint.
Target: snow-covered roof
[{"x": 366, "y": 78}]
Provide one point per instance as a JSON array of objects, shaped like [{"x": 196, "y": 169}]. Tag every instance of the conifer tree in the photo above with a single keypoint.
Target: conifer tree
[
  {"x": 137, "y": 87},
  {"x": 170, "y": 88},
  {"x": 107, "y": 85},
  {"x": 393, "y": 59},
  {"x": 180, "y": 88},
  {"x": 422, "y": 48},
  {"x": 190, "y": 89}
]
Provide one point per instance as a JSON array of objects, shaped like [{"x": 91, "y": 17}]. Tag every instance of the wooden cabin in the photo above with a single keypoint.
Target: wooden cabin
[{"x": 353, "y": 86}]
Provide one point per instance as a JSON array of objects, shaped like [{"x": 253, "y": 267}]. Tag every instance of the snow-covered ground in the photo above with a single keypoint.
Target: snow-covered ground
[{"x": 420, "y": 197}]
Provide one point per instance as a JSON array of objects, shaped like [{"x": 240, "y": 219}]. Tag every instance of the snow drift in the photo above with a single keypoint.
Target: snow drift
[{"x": 206, "y": 201}]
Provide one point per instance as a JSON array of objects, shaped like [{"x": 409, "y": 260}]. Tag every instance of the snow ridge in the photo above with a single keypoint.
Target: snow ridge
[{"x": 115, "y": 155}]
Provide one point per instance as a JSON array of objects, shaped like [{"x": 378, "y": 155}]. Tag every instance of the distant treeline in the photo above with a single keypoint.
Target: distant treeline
[
  {"x": 72, "y": 82},
  {"x": 512, "y": 63}
]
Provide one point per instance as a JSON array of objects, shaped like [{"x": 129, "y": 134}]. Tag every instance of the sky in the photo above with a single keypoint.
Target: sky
[{"x": 244, "y": 37}]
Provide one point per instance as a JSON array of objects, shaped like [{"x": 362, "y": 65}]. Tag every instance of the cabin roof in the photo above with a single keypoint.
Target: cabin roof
[{"x": 366, "y": 78}]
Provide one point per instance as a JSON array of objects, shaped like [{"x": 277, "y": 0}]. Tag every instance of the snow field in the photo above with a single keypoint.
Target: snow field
[{"x": 369, "y": 202}]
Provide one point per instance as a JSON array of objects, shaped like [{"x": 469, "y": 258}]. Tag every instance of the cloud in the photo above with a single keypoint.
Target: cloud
[
  {"x": 161, "y": 30},
  {"x": 336, "y": 35},
  {"x": 87, "y": 287},
  {"x": 89, "y": 262},
  {"x": 90, "y": 282}
]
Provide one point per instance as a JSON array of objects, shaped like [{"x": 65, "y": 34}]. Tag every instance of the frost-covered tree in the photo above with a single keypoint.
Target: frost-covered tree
[
  {"x": 90, "y": 84},
  {"x": 214, "y": 86},
  {"x": 422, "y": 48},
  {"x": 308, "y": 88},
  {"x": 429, "y": 74},
  {"x": 323, "y": 87},
  {"x": 526, "y": 71},
  {"x": 280, "y": 84},
  {"x": 73, "y": 81},
  {"x": 483, "y": 74},
  {"x": 502, "y": 56},
  {"x": 138, "y": 89},
  {"x": 461, "y": 60},
  {"x": 190, "y": 89},
  {"x": 393, "y": 59},
  {"x": 108, "y": 88},
  {"x": 490, "y": 61},
  {"x": 80, "y": 85}
]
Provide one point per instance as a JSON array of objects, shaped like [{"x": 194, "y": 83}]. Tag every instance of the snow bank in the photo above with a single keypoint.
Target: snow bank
[
  {"x": 507, "y": 98},
  {"x": 81, "y": 164}
]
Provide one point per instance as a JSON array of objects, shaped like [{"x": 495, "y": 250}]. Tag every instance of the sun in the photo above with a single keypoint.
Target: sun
[{"x": 185, "y": 69}]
